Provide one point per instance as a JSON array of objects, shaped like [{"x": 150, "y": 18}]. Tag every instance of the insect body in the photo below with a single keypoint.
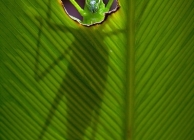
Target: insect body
[
  {"x": 93, "y": 12},
  {"x": 93, "y": 5}
]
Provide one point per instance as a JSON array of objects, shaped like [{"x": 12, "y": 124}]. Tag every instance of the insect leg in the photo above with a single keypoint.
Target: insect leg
[
  {"x": 108, "y": 6},
  {"x": 79, "y": 9}
]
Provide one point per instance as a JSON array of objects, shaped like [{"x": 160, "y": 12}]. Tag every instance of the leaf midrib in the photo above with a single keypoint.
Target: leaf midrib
[{"x": 130, "y": 69}]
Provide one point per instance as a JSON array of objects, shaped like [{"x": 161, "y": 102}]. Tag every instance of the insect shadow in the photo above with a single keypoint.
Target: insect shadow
[{"x": 85, "y": 79}]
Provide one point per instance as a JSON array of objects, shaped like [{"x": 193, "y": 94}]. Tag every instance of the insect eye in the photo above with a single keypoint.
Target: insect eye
[{"x": 92, "y": 2}]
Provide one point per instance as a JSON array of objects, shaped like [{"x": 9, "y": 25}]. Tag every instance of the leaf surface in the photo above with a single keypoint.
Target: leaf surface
[{"x": 129, "y": 78}]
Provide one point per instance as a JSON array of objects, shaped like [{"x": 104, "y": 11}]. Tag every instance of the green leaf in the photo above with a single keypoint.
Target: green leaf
[{"x": 129, "y": 78}]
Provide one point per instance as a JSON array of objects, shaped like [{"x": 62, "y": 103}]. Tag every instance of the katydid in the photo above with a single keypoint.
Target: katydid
[{"x": 94, "y": 11}]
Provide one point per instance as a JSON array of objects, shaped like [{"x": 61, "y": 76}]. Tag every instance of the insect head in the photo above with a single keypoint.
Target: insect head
[{"x": 93, "y": 5}]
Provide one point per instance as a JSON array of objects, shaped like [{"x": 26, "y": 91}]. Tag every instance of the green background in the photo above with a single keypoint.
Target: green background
[{"x": 149, "y": 89}]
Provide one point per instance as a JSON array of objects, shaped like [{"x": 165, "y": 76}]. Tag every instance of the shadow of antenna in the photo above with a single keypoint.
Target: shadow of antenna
[{"x": 39, "y": 75}]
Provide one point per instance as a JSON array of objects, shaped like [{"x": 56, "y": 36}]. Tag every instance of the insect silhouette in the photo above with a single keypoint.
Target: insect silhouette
[{"x": 84, "y": 82}]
